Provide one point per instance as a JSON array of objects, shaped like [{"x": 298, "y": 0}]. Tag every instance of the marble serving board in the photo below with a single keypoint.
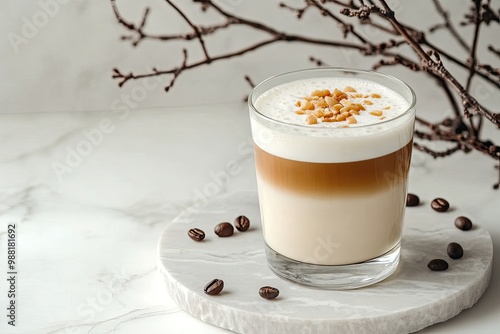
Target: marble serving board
[{"x": 413, "y": 298}]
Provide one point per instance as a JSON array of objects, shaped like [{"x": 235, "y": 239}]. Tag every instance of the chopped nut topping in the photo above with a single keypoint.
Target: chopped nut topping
[
  {"x": 338, "y": 95},
  {"x": 321, "y": 103},
  {"x": 328, "y": 114},
  {"x": 345, "y": 102},
  {"x": 318, "y": 112},
  {"x": 330, "y": 101},
  {"x": 387, "y": 108},
  {"x": 338, "y": 106},
  {"x": 324, "y": 105},
  {"x": 351, "y": 120},
  {"x": 308, "y": 106},
  {"x": 311, "y": 98},
  {"x": 321, "y": 93},
  {"x": 311, "y": 119},
  {"x": 342, "y": 117}
]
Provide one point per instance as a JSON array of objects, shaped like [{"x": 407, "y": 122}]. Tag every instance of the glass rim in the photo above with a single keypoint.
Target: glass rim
[{"x": 338, "y": 69}]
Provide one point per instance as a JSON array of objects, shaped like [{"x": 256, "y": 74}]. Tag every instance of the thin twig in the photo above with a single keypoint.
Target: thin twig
[
  {"x": 473, "y": 61},
  {"x": 346, "y": 28},
  {"x": 249, "y": 80},
  {"x": 492, "y": 49},
  {"x": 448, "y": 25},
  {"x": 472, "y": 56},
  {"x": 436, "y": 154},
  {"x": 195, "y": 29},
  {"x": 141, "y": 34}
]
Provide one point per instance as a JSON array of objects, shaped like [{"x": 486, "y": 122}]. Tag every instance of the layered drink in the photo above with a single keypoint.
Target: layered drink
[{"x": 332, "y": 153}]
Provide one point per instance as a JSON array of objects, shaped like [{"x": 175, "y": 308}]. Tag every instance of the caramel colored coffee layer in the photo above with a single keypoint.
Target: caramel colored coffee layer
[{"x": 325, "y": 179}]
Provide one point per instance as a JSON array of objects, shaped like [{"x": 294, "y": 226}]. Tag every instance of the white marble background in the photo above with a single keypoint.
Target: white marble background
[{"x": 88, "y": 232}]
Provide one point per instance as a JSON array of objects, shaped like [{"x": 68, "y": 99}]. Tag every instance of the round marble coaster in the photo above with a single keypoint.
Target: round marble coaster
[{"x": 414, "y": 297}]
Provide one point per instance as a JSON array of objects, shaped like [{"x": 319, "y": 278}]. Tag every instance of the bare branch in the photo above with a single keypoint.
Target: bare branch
[{"x": 461, "y": 135}]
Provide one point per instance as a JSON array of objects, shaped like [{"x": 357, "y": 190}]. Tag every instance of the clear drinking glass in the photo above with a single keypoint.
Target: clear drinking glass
[{"x": 332, "y": 200}]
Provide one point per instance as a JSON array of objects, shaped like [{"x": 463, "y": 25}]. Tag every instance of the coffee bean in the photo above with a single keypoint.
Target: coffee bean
[
  {"x": 455, "y": 251},
  {"x": 214, "y": 287},
  {"x": 463, "y": 223},
  {"x": 412, "y": 200},
  {"x": 269, "y": 292},
  {"x": 440, "y": 205},
  {"x": 242, "y": 223},
  {"x": 196, "y": 234},
  {"x": 224, "y": 229},
  {"x": 437, "y": 265}
]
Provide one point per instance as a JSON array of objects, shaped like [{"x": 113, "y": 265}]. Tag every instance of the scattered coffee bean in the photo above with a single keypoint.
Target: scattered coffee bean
[
  {"x": 269, "y": 292},
  {"x": 214, "y": 287},
  {"x": 224, "y": 229},
  {"x": 196, "y": 234},
  {"x": 412, "y": 200},
  {"x": 455, "y": 251},
  {"x": 463, "y": 223},
  {"x": 440, "y": 205},
  {"x": 437, "y": 265},
  {"x": 242, "y": 223}
]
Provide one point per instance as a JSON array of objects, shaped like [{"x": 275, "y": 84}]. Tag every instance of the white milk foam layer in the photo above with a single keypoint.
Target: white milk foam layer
[{"x": 330, "y": 142}]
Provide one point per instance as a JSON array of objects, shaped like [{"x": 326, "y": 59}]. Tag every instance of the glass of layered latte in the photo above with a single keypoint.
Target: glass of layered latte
[{"x": 332, "y": 155}]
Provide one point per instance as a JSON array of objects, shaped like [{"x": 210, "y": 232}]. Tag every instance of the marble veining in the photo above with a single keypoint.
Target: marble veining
[
  {"x": 88, "y": 241},
  {"x": 412, "y": 299}
]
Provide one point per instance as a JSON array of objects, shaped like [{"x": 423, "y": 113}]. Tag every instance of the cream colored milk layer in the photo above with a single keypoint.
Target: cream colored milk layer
[
  {"x": 333, "y": 141},
  {"x": 356, "y": 228}
]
